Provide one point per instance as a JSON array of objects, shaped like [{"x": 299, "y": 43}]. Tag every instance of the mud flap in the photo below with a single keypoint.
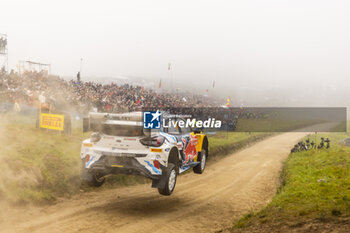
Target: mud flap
[
  {"x": 160, "y": 183},
  {"x": 85, "y": 175}
]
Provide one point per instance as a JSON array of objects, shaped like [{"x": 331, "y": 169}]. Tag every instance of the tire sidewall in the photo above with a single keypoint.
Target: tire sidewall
[
  {"x": 205, "y": 161},
  {"x": 170, "y": 172},
  {"x": 165, "y": 189}
]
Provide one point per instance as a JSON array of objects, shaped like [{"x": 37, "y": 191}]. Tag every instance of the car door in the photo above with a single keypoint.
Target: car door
[{"x": 189, "y": 145}]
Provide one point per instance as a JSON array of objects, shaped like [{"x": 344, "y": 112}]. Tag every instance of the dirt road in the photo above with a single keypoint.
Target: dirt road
[{"x": 230, "y": 187}]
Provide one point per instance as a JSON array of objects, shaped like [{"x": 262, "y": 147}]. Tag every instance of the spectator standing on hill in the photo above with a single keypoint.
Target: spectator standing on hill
[{"x": 78, "y": 77}]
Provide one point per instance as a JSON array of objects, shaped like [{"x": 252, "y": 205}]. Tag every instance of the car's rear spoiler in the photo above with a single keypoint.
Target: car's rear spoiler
[
  {"x": 95, "y": 119},
  {"x": 129, "y": 116}
]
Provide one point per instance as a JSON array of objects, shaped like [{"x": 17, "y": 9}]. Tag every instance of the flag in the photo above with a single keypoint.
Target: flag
[
  {"x": 213, "y": 83},
  {"x": 169, "y": 65},
  {"x": 160, "y": 83},
  {"x": 108, "y": 107},
  {"x": 228, "y": 102}
]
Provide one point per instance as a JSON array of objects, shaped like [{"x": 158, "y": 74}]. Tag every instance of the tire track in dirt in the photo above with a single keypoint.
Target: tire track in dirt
[{"x": 230, "y": 187}]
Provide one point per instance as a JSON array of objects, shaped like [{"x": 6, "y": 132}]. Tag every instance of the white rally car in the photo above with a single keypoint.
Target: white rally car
[{"x": 120, "y": 145}]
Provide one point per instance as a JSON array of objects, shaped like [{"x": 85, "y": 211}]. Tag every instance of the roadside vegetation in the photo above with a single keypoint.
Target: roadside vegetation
[
  {"x": 223, "y": 143},
  {"x": 314, "y": 193},
  {"x": 39, "y": 166}
]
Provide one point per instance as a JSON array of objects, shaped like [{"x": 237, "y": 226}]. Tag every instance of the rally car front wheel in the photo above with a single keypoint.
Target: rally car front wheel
[
  {"x": 93, "y": 179},
  {"x": 202, "y": 159},
  {"x": 170, "y": 182},
  {"x": 97, "y": 180}
]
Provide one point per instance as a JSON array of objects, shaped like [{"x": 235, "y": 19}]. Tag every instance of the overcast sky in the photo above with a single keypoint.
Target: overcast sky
[{"x": 247, "y": 42}]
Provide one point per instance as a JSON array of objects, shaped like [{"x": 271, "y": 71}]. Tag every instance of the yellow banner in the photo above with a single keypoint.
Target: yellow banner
[{"x": 52, "y": 121}]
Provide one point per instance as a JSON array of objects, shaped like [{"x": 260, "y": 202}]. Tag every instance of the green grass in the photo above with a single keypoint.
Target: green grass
[
  {"x": 315, "y": 185},
  {"x": 37, "y": 165}
]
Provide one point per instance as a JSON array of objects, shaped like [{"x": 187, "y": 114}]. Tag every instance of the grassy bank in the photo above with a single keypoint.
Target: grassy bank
[
  {"x": 314, "y": 193},
  {"x": 224, "y": 143},
  {"x": 38, "y": 166}
]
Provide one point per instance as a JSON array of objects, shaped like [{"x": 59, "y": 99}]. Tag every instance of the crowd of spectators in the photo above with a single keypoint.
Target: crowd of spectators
[{"x": 34, "y": 88}]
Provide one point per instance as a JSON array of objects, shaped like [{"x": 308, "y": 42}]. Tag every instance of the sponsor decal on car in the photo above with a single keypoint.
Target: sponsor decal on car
[
  {"x": 156, "y": 150},
  {"x": 157, "y": 171}
]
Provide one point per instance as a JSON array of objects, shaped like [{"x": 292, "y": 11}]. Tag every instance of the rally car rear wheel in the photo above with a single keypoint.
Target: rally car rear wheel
[
  {"x": 170, "y": 183},
  {"x": 96, "y": 179},
  {"x": 202, "y": 158}
]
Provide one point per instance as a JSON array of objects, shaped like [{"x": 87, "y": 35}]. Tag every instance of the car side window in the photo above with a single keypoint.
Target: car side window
[{"x": 172, "y": 129}]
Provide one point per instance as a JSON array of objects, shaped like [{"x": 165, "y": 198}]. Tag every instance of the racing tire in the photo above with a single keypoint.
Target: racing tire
[
  {"x": 96, "y": 180},
  {"x": 170, "y": 182},
  {"x": 202, "y": 158}
]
